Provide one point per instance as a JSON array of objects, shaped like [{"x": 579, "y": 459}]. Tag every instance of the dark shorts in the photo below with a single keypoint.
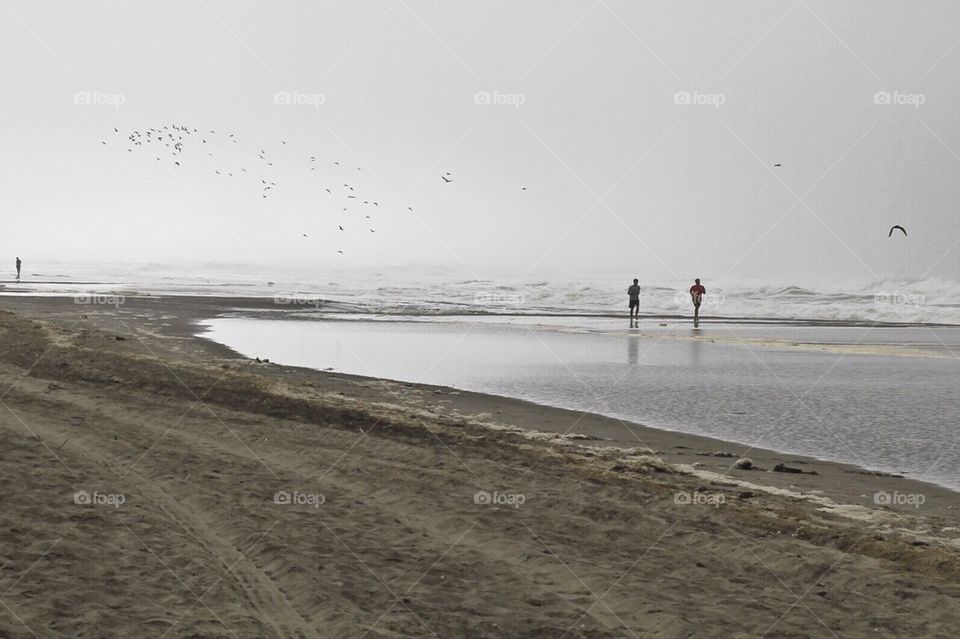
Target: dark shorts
[{"x": 634, "y": 303}]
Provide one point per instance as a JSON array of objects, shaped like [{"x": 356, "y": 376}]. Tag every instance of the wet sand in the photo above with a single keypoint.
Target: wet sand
[{"x": 598, "y": 528}]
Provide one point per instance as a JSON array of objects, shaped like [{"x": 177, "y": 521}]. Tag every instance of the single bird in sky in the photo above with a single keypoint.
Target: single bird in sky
[
  {"x": 446, "y": 179},
  {"x": 897, "y": 227},
  {"x": 778, "y": 165}
]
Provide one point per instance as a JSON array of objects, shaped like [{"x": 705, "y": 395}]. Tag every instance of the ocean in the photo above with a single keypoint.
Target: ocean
[{"x": 416, "y": 291}]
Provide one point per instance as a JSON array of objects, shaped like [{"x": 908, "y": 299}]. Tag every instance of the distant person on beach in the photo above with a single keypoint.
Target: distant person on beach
[
  {"x": 18, "y": 269},
  {"x": 697, "y": 291},
  {"x": 634, "y": 293}
]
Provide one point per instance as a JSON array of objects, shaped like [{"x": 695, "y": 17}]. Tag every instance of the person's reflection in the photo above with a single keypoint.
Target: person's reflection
[
  {"x": 633, "y": 346},
  {"x": 695, "y": 346}
]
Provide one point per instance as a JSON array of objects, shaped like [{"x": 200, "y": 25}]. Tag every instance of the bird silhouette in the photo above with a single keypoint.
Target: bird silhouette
[
  {"x": 897, "y": 226},
  {"x": 445, "y": 179},
  {"x": 777, "y": 164}
]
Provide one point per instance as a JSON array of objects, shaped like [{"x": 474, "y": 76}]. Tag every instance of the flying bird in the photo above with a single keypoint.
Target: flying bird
[
  {"x": 777, "y": 164},
  {"x": 897, "y": 226},
  {"x": 446, "y": 179}
]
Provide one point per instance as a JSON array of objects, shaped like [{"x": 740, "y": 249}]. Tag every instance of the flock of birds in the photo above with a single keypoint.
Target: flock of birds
[
  {"x": 176, "y": 142},
  {"x": 169, "y": 140}
]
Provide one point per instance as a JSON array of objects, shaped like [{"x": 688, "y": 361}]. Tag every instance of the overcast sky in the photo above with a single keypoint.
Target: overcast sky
[{"x": 645, "y": 133}]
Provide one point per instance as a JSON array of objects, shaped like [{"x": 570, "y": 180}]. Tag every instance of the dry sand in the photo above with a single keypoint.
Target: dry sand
[{"x": 623, "y": 531}]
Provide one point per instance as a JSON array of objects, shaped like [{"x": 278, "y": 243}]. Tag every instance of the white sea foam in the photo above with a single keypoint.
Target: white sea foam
[{"x": 421, "y": 290}]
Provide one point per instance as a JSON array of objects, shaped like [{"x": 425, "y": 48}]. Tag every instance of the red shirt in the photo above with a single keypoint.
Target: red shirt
[{"x": 697, "y": 289}]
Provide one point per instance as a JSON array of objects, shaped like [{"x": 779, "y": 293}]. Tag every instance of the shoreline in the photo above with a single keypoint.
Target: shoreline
[
  {"x": 346, "y": 308},
  {"x": 603, "y": 537}
]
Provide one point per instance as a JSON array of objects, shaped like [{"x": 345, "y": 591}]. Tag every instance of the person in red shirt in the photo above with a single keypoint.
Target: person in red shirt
[{"x": 697, "y": 291}]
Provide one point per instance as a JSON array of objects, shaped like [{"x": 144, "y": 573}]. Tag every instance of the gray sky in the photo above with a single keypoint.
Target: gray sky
[{"x": 584, "y": 112}]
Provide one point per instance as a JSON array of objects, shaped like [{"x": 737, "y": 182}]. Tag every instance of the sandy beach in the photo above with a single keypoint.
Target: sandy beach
[{"x": 157, "y": 484}]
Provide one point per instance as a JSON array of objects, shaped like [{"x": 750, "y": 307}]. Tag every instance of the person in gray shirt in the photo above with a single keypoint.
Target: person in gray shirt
[{"x": 634, "y": 293}]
